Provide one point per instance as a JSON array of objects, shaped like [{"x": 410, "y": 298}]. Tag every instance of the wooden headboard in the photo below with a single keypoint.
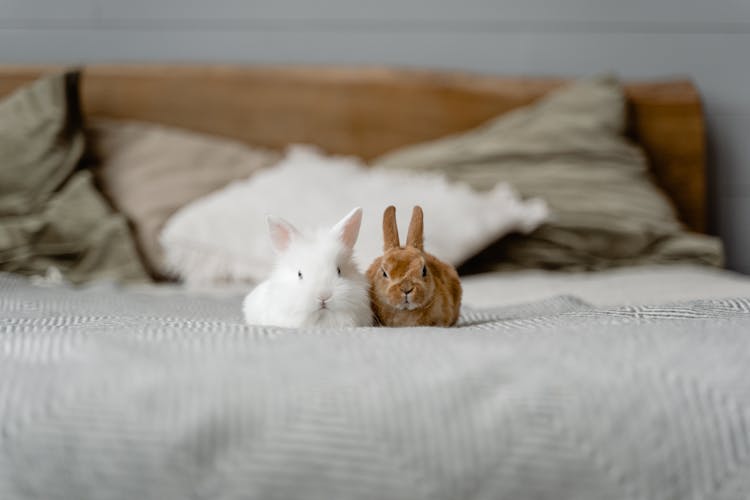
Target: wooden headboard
[{"x": 368, "y": 111}]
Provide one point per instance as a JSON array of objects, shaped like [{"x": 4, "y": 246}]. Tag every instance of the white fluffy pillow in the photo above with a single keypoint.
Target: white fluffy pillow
[{"x": 223, "y": 236}]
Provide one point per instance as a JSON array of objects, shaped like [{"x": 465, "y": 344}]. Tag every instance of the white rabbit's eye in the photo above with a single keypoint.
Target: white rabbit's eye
[
  {"x": 424, "y": 271},
  {"x": 299, "y": 274},
  {"x": 338, "y": 270}
]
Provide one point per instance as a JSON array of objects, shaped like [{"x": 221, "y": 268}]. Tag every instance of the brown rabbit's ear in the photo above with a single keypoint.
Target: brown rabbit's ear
[
  {"x": 390, "y": 229},
  {"x": 414, "y": 238}
]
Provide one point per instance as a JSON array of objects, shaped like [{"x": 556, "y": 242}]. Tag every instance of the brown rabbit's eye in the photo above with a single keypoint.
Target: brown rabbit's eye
[
  {"x": 385, "y": 275},
  {"x": 424, "y": 271},
  {"x": 299, "y": 274}
]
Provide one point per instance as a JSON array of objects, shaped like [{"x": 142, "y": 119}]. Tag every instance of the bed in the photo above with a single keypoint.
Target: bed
[{"x": 624, "y": 383}]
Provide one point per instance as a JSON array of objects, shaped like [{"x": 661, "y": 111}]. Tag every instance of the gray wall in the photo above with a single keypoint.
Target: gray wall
[{"x": 707, "y": 40}]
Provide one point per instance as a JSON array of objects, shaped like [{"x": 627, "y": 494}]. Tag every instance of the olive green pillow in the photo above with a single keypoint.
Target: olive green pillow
[
  {"x": 568, "y": 148},
  {"x": 52, "y": 216}
]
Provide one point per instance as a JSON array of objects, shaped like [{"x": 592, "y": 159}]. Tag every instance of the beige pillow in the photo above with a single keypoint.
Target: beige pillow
[
  {"x": 149, "y": 171},
  {"x": 569, "y": 149}
]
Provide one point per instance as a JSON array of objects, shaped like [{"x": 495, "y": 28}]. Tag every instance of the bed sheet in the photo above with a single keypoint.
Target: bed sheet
[{"x": 623, "y": 286}]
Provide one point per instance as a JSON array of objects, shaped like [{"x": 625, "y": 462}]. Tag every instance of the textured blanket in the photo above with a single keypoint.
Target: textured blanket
[{"x": 110, "y": 394}]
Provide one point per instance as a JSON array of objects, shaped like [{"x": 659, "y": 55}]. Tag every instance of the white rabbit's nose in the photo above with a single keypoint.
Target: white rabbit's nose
[{"x": 325, "y": 295}]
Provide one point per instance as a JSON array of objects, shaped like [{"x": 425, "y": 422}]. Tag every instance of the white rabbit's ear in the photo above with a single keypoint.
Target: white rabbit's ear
[
  {"x": 347, "y": 229},
  {"x": 282, "y": 233}
]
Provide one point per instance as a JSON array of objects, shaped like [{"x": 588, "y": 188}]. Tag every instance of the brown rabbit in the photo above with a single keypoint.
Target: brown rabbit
[{"x": 409, "y": 287}]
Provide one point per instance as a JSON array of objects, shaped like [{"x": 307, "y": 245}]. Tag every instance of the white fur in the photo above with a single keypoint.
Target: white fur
[
  {"x": 287, "y": 300},
  {"x": 222, "y": 237}
]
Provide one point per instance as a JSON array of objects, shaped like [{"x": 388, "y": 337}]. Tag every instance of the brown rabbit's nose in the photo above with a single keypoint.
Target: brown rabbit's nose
[{"x": 407, "y": 288}]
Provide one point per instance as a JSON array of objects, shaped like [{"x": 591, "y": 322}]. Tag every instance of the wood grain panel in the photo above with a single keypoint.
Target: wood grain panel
[
  {"x": 47, "y": 9},
  {"x": 714, "y": 61},
  {"x": 368, "y": 111},
  {"x": 579, "y": 11}
]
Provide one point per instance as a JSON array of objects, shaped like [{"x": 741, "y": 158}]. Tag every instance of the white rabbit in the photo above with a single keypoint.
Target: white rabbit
[{"x": 315, "y": 281}]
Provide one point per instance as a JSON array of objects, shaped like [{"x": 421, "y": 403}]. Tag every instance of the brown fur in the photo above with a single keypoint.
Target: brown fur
[{"x": 436, "y": 296}]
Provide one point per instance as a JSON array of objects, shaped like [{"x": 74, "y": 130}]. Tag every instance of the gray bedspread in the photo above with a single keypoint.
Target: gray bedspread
[{"x": 107, "y": 394}]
